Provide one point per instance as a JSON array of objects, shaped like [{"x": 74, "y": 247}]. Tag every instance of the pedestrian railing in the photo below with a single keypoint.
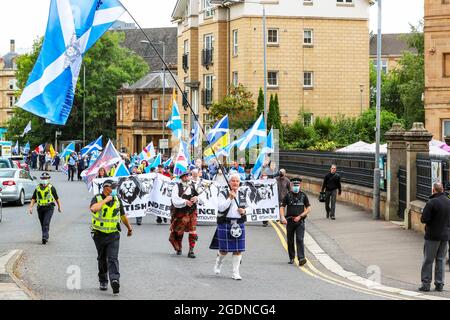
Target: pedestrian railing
[{"x": 430, "y": 169}]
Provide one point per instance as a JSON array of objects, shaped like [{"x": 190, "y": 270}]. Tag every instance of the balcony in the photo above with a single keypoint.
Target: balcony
[
  {"x": 185, "y": 62},
  {"x": 207, "y": 57},
  {"x": 185, "y": 100},
  {"x": 207, "y": 98}
]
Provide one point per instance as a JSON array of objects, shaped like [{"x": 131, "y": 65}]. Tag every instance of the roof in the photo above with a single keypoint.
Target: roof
[
  {"x": 133, "y": 39},
  {"x": 8, "y": 60},
  {"x": 153, "y": 80},
  {"x": 391, "y": 44}
]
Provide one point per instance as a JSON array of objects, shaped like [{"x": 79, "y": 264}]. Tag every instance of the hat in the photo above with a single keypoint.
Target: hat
[
  {"x": 296, "y": 180},
  {"x": 45, "y": 176},
  {"x": 110, "y": 183},
  {"x": 283, "y": 171},
  {"x": 184, "y": 174}
]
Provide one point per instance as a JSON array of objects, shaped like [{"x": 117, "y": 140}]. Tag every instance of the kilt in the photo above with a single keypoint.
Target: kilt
[
  {"x": 182, "y": 222},
  {"x": 224, "y": 241}
]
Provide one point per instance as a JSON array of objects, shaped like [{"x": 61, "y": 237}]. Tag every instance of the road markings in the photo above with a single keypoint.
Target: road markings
[{"x": 314, "y": 272}]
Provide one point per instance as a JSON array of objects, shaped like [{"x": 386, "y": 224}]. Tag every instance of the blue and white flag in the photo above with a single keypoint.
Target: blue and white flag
[
  {"x": 122, "y": 170},
  {"x": 174, "y": 123},
  {"x": 27, "y": 129},
  {"x": 68, "y": 150},
  {"x": 270, "y": 145},
  {"x": 27, "y": 148},
  {"x": 218, "y": 130},
  {"x": 168, "y": 163},
  {"x": 94, "y": 156},
  {"x": 258, "y": 166},
  {"x": 155, "y": 162},
  {"x": 15, "y": 150},
  {"x": 255, "y": 135},
  {"x": 195, "y": 134},
  {"x": 73, "y": 27},
  {"x": 96, "y": 145}
]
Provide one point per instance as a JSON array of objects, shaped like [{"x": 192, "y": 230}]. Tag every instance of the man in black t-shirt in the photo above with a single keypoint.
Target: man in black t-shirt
[
  {"x": 297, "y": 210},
  {"x": 331, "y": 185}
]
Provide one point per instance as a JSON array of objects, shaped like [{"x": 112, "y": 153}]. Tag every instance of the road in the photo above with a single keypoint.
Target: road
[{"x": 149, "y": 268}]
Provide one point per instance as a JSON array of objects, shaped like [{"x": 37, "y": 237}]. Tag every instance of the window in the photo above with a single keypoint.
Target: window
[
  {"x": 235, "y": 42},
  {"x": 445, "y": 128},
  {"x": 155, "y": 107},
  {"x": 272, "y": 78},
  {"x": 308, "y": 119},
  {"x": 308, "y": 79},
  {"x": 208, "y": 41},
  {"x": 272, "y": 36},
  {"x": 384, "y": 66},
  {"x": 120, "y": 110},
  {"x": 207, "y": 121},
  {"x": 207, "y": 9},
  {"x": 308, "y": 37},
  {"x": 12, "y": 84},
  {"x": 235, "y": 79},
  {"x": 186, "y": 46},
  {"x": 12, "y": 101},
  {"x": 185, "y": 122},
  {"x": 208, "y": 81},
  {"x": 207, "y": 92},
  {"x": 446, "y": 67}
]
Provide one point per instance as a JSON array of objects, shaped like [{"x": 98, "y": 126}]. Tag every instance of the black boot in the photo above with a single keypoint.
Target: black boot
[{"x": 191, "y": 254}]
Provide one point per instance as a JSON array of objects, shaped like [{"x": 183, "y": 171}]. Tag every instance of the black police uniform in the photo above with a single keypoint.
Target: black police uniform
[
  {"x": 45, "y": 213},
  {"x": 295, "y": 205}
]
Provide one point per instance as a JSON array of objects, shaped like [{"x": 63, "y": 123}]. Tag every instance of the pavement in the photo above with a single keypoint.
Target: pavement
[{"x": 66, "y": 268}]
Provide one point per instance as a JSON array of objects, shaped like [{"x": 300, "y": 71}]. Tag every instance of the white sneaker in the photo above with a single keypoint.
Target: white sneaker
[
  {"x": 219, "y": 262},
  {"x": 236, "y": 264}
]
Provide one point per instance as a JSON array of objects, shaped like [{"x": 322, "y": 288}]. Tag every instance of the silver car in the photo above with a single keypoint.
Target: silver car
[{"x": 17, "y": 185}]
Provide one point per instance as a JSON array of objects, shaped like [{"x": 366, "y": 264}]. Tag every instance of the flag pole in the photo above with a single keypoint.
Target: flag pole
[{"x": 183, "y": 94}]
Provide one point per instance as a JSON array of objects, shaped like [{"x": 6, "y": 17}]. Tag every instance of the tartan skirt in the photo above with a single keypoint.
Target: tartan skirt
[{"x": 224, "y": 241}]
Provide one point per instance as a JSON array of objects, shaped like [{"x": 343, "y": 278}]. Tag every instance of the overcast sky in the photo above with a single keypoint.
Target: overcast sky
[{"x": 25, "y": 20}]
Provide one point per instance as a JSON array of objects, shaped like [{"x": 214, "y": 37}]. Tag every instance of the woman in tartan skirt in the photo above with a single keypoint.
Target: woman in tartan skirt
[{"x": 230, "y": 232}]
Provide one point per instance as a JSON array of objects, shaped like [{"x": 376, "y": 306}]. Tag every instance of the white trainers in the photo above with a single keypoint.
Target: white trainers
[
  {"x": 219, "y": 262},
  {"x": 236, "y": 264}
]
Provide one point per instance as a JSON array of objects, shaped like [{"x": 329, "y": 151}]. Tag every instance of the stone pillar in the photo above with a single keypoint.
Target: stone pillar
[
  {"x": 417, "y": 141},
  {"x": 396, "y": 157}
]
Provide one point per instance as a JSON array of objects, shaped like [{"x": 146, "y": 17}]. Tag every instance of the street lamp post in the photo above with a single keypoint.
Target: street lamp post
[
  {"x": 164, "y": 88},
  {"x": 377, "y": 173},
  {"x": 361, "y": 90}
]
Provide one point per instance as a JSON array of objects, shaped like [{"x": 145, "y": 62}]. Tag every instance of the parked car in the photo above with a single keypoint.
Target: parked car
[
  {"x": 17, "y": 185},
  {"x": 20, "y": 162},
  {"x": 8, "y": 163}
]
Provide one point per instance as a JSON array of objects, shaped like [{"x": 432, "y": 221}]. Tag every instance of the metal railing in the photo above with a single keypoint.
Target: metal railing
[
  {"x": 353, "y": 168},
  {"x": 207, "y": 57},
  {"x": 185, "y": 62},
  {"x": 425, "y": 176},
  {"x": 207, "y": 97}
]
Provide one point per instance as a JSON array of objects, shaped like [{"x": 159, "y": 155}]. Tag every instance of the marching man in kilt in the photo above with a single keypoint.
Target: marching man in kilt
[
  {"x": 184, "y": 215},
  {"x": 230, "y": 232}
]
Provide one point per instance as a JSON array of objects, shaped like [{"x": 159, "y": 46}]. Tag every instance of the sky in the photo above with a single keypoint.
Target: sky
[{"x": 25, "y": 20}]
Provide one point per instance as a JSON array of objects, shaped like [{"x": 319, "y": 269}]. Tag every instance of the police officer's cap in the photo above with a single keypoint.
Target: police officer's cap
[
  {"x": 187, "y": 173},
  {"x": 110, "y": 183},
  {"x": 45, "y": 176},
  {"x": 296, "y": 180}
]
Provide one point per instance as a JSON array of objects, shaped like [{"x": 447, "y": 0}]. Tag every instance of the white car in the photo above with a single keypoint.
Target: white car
[{"x": 17, "y": 185}]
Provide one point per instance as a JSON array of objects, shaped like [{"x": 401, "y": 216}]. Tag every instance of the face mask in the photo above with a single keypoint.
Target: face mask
[
  {"x": 296, "y": 189},
  {"x": 114, "y": 193},
  {"x": 43, "y": 182}
]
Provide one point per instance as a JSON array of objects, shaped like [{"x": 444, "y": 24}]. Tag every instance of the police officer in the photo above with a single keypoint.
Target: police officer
[
  {"x": 297, "y": 207},
  {"x": 107, "y": 212},
  {"x": 45, "y": 196}
]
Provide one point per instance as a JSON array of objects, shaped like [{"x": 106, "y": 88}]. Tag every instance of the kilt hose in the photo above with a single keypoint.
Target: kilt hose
[{"x": 181, "y": 223}]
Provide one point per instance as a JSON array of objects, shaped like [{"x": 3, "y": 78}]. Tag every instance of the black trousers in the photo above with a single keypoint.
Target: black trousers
[
  {"x": 45, "y": 216},
  {"x": 107, "y": 255},
  {"x": 71, "y": 172},
  {"x": 297, "y": 231},
  {"x": 330, "y": 202}
]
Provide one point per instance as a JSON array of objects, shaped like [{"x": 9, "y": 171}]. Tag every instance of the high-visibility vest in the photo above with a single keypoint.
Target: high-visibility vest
[
  {"x": 107, "y": 219},
  {"x": 112, "y": 172},
  {"x": 44, "y": 197}
]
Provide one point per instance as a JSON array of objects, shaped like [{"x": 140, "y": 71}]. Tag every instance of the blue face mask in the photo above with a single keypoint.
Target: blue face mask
[
  {"x": 296, "y": 189},
  {"x": 114, "y": 193}
]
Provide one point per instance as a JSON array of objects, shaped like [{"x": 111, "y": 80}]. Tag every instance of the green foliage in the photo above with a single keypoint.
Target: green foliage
[
  {"x": 108, "y": 65},
  {"x": 239, "y": 106},
  {"x": 324, "y": 145},
  {"x": 260, "y": 105}
]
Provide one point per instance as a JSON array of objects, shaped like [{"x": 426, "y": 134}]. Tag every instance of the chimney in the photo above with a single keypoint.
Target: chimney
[{"x": 12, "y": 45}]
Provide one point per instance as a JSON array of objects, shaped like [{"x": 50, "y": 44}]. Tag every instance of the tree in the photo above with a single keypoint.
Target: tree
[
  {"x": 238, "y": 105},
  {"x": 260, "y": 106},
  {"x": 108, "y": 66},
  {"x": 271, "y": 113}
]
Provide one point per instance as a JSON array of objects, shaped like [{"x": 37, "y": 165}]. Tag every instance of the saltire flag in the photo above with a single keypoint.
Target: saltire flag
[
  {"x": 258, "y": 166},
  {"x": 226, "y": 151},
  {"x": 270, "y": 145},
  {"x": 156, "y": 162},
  {"x": 195, "y": 135},
  {"x": 15, "y": 150},
  {"x": 181, "y": 163},
  {"x": 52, "y": 151},
  {"x": 73, "y": 27},
  {"x": 40, "y": 148},
  {"x": 174, "y": 123},
  {"x": 107, "y": 159},
  {"x": 168, "y": 163},
  {"x": 186, "y": 151},
  {"x": 255, "y": 135},
  {"x": 148, "y": 152},
  {"x": 218, "y": 138},
  {"x": 96, "y": 145},
  {"x": 27, "y": 148},
  {"x": 93, "y": 158},
  {"x": 122, "y": 170},
  {"x": 27, "y": 129},
  {"x": 68, "y": 150}
]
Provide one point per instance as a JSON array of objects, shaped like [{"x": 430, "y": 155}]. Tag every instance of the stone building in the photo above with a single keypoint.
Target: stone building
[
  {"x": 317, "y": 54},
  {"x": 437, "y": 67},
  {"x": 8, "y": 87},
  {"x": 142, "y": 112}
]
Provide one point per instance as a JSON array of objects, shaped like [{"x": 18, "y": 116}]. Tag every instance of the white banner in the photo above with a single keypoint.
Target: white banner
[{"x": 151, "y": 194}]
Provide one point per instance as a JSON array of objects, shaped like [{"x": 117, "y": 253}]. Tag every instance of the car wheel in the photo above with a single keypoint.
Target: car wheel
[{"x": 21, "y": 200}]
